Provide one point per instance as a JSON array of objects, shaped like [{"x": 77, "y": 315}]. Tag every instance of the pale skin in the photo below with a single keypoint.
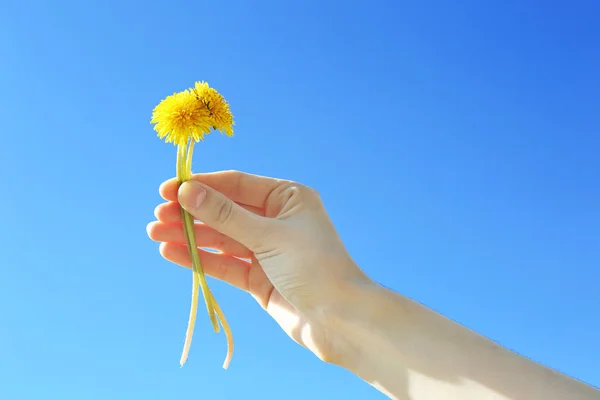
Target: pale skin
[{"x": 278, "y": 244}]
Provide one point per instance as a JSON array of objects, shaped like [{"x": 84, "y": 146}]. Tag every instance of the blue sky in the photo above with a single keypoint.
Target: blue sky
[{"x": 455, "y": 145}]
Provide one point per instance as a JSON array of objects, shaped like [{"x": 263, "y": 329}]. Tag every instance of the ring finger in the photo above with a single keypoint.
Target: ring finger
[{"x": 220, "y": 266}]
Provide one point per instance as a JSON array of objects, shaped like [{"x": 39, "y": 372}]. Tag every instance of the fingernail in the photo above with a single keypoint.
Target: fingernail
[{"x": 191, "y": 194}]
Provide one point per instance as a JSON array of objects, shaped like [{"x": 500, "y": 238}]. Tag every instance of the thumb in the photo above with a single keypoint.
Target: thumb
[{"x": 222, "y": 214}]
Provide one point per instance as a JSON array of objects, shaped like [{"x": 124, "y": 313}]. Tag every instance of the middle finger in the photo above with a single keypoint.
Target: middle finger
[{"x": 205, "y": 237}]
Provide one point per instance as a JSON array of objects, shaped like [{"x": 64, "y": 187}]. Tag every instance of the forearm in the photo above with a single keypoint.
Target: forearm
[{"x": 410, "y": 352}]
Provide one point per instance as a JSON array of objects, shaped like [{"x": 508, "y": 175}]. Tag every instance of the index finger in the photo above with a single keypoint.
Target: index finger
[{"x": 249, "y": 189}]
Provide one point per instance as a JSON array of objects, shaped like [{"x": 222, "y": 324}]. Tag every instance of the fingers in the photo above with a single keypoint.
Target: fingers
[
  {"x": 240, "y": 187},
  {"x": 223, "y": 215},
  {"x": 171, "y": 211},
  {"x": 220, "y": 266},
  {"x": 205, "y": 237}
]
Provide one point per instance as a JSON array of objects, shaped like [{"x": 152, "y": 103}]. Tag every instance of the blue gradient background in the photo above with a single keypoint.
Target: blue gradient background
[{"x": 456, "y": 145}]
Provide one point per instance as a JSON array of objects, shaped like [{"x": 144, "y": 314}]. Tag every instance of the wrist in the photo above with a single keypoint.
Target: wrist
[{"x": 358, "y": 322}]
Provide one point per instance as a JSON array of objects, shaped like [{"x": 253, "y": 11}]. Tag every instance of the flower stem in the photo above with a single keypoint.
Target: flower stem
[
  {"x": 188, "y": 221},
  {"x": 227, "y": 331},
  {"x": 188, "y": 159},
  {"x": 198, "y": 271},
  {"x": 198, "y": 279}
]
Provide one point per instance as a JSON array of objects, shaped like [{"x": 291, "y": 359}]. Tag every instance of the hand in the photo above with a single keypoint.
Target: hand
[{"x": 297, "y": 268}]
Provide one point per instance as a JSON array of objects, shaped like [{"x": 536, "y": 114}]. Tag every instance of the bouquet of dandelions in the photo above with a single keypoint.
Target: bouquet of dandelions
[{"x": 183, "y": 119}]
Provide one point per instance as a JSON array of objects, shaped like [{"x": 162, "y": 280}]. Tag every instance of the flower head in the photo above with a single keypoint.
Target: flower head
[
  {"x": 217, "y": 107},
  {"x": 191, "y": 114},
  {"x": 180, "y": 117}
]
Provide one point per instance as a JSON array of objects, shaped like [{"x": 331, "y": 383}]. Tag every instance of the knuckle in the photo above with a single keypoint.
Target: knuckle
[
  {"x": 309, "y": 195},
  {"x": 303, "y": 190},
  {"x": 312, "y": 192},
  {"x": 224, "y": 212},
  {"x": 232, "y": 173}
]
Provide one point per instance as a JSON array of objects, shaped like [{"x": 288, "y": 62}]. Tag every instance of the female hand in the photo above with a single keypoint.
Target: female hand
[{"x": 276, "y": 242}]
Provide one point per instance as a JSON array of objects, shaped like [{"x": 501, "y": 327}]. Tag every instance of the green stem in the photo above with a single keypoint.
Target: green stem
[
  {"x": 190, "y": 153},
  {"x": 190, "y": 234},
  {"x": 227, "y": 331},
  {"x": 198, "y": 278},
  {"x": 192, "y": 319},
  {"x": 184, "y": 173},
  {"x": 198, "y": 270}
]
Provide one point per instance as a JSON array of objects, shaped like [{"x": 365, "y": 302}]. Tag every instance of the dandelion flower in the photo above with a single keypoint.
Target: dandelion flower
[
  {"x": 184, "y": 118},
  {"x": 181, "y": 117},
  {"x": 217, "y": 107}
]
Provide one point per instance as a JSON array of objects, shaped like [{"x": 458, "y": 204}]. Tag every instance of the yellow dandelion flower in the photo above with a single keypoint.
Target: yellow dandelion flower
[
  {"x": 183, "y": 119},
  {"x": 180, "y": 117},
  {"x": 217, "y": 107}
]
